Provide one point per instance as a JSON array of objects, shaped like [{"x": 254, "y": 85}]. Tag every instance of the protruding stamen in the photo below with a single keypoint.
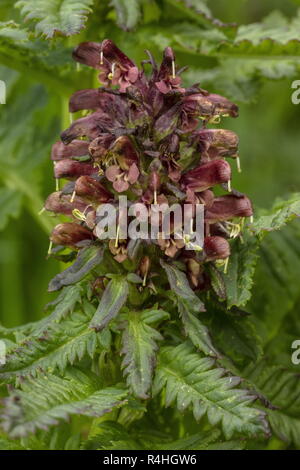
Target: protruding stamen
[
  {"x": 145, "y": 279},
  {"x": 117, "y": 236},
  {"x": 78, "y": 215},
  {"x": 50, "y": 248},
  {"x": 78, "y": 67},
  {"x": 155, "y": 196},
  {"x": 173, "y": 69},
  {"x": 110, "y": 76},
  {"x": 101, "y": 58},
  {"x": 238, "y": 164},
  {"x": 226, "y": 265},
  {"x": 251, "y": 219},
  {"x": 41, "y": 211},
  {"x": 229, "y": 186},
  {"x": 56, "y": 184},
  {"x": 73, "y": 196}
]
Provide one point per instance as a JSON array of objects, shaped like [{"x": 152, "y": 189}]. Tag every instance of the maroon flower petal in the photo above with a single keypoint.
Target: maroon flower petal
[
  {"x": 207, "y": 175},
  {"x": 229, "y": 206},
  {"x": 90, "y": 127},
  {"x": 69, "y": 234},
  {"x": 133, "y": 174},
  {"x": 61, "y": 203},
  {"x": 99, "y": 146},
  {"x": 72, "y": 169},
  {"x": 112, "y": 172},
  {"x": 120, "y": 185},
  {"x": 91, "y": 189},
  {"x": 216, "y": 248},
  {"x": 113, "y": 54},
  {"x": 88, "y": 53},
  {"x": 84, "y": 99},
  {"x": 77, "y": 148}
]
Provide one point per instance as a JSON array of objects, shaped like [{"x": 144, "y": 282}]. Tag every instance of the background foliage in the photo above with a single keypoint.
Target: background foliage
[{"x": 249, "y": 52}]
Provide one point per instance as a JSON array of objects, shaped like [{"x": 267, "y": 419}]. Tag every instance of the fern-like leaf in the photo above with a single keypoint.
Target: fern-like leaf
[
  {"x": 44, "y": 401},
  {"x": 55, "y": 348},
  {"x": 139, "y": 346},
  {"x": 192, "y": 381},
  {"x": 65, "y": 17},
  {"x": 188, "y": 306}
]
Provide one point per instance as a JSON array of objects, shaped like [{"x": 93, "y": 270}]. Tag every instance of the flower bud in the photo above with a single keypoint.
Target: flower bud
[
  {"x": 90, "y": 127},
  {"x": 88, "y": 53},
  {"x": 89, "y": 188},
  {"x": 216, "y": 248},
  {"x": 77, "y": 148},
  {"x": 216, "y": 143},
  {"x": 84, "y": 99},
  {"x": 229, "y": 206},
  {"x": 207, "y": 175},
  {"x": 61, "y": 203},
  {"x": 98, "y": 147},
  {"x": 72, "y": 169},
  {"x": 69, "y": 234}
]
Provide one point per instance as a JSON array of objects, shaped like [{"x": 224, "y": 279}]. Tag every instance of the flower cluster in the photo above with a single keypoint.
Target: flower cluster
[{"x": 147, "y": 137}]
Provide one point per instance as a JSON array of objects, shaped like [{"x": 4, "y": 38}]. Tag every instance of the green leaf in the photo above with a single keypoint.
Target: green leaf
[
  {"x": 65, "y": 17},
  {"x": 139, "y": 347},
  {"x": 113, "y": 299},
  {"x": 45, "y": 401},
  {"x": 188, "y": 305},
  {"x": 282, "y": 212},
  {"x": 111, "y": 436},
  {"x": 192, "y": 381},
  {"x": 282, "y": 388},
  {"x": 49, "y": 66},
  {"x": 128, "y": 13},
  {"x": 55, "y": 348},
  {"x": 87, "y": 259},
  {"x": 240, "y": 272},
  {"x": 10, "y": 203}
]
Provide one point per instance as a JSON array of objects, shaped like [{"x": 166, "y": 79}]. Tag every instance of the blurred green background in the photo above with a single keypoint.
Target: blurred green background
[{"x": 36, "y": 112}]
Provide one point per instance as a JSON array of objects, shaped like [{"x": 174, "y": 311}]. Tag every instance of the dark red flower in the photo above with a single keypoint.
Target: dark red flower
[
  {"x": 207, "y": 175},
  {"x": 229, "y": 206},
  {"x": 90, "y": 189},
  {"x": 77, "y": 148},
  {"x": 72, "y": 169},
  {"x": 216, "y": 248},
  {"x": 69, "y": 234},
  {"x": 64, "y": 204}
]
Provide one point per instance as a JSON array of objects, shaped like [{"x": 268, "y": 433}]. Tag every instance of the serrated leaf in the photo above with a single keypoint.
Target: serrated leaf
[
  {"x": 87, "y": 259},
  {"x": 20, "y": 52},
  {"x": 65, "y": 17},
  {"x": 45, "y": 401},
  {"x": 112, "y": 300},
  {"x": 282, "y": 388},
  {"x": 128, "y": 12},
  {"x": 189, "y": 305},
  {"x": 192, "y": 381},
  {"x": 139, "y": 347},
  {"x": 240, "y": 272},
  {"x": 282, "y": 212},
  {"x": 55, "y": 348}
]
